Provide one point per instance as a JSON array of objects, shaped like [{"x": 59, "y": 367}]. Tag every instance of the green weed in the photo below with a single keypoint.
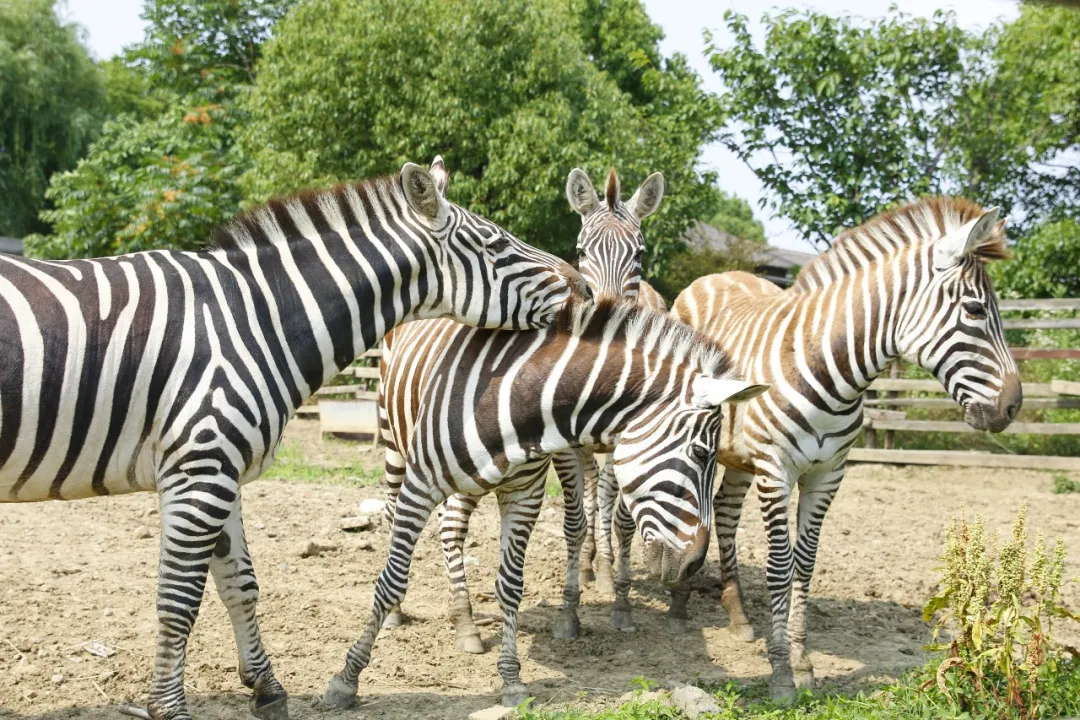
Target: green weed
[
  {"x": 292, "y": 465},
  {"x": 1063, "y": 485}
]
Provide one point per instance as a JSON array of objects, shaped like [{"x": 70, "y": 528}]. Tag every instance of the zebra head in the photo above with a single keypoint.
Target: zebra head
[
  {"x": 488, "y": 278},
  {"x": 954, "y": 329},
  {"x": 610, "y": 244},
  {"x": 665, "y": 464}
]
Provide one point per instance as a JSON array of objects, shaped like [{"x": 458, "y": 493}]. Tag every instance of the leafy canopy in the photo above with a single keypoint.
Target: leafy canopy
[
  {"x": 51, "y": 107},
  {"x": 513, "y": 94}
]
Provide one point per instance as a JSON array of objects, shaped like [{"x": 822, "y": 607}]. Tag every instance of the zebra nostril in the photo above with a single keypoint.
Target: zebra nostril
[{"x": 1012, "y": 410}]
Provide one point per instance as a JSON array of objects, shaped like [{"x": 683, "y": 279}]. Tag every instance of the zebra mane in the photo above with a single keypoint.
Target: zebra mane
[
  {"x": 272, "y": 222},
  {"x": 661, "y": 336},
  {"x": 922, "y": 221}
]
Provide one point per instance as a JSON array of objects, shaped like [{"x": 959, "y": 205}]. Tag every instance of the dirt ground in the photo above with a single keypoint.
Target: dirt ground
[{"x": 73, "y": 573}]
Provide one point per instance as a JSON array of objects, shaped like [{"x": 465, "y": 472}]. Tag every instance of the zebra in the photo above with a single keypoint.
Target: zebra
[
  {"x": 175, "y": 372},
  {"x": 492, "y": 406},
  {"x": 610, "y": 246},
  {"x": 911, "y": 284}
]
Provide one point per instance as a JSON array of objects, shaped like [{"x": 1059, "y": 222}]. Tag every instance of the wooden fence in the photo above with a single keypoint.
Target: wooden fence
[{"x": 350, "y": 407}]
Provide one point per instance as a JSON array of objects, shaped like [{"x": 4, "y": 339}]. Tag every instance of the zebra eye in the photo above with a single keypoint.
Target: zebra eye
[
  {"x": 581, "y": 253},
  {"x": 700, "y": 453},
  {"x": 640, "y": 252},
  {"x": 974, "y": 308},
  {"x": 499, "y": 244}
]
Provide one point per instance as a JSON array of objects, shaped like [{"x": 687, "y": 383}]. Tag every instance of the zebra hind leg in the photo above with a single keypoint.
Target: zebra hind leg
[
  {"x": 727, "y": 509},
  {"x": 519, "y": 510},
  {"x": 409, "y": 522},
  {"x": 453, "y": 529},
  {"x": 607, "y": 498},
  {"x": 571, "y": 466},
  {"x": 238, "y": 589},
  {"x": 394, "y": 465},
  {"x": 621, "y": 611},
  {"x": 191, "y": 524},
  {"x": 774, "y": 492},
  {"x": 590, "y": 484}
]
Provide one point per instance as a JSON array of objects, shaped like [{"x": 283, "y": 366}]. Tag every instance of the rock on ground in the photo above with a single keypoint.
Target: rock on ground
[
  {"x": 496, "y": 712},
  {"x": 694, "y": 701}
]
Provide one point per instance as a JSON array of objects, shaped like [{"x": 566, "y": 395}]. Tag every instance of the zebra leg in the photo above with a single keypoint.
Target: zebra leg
[
  {"x": 815, "y": 496},
  {"x": 621, "y": 618},
  {"x": 727, "y": 509},
  {"x": 234, "y": 578},
  {"x": 191, "y": 523},
  {"x": 453, "y": 528},
  {"x": 677, "y": 614},
  {"x": 394, "y": 465},
  {"x": 570, "y": 467},
  {"x": 607, "y": 498},
  {"x": 415, "y": 504},
  {"x": 775, "y": 494},
  {"x": 590, "y": 483},
  {"x": 519, "y": 510}
]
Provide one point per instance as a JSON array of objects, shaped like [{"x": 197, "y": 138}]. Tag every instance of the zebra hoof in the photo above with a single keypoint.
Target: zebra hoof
[
  {"x": 804, "y": 679},
  {"x": 587, "y": 576},
  {"x": 270, "y": 708},
  {"x": 743, "y": 632},
  {"x": 396, "y": 618},
  {"x": 783, "y": 691},
  {"x": 340, "y": 695},
  {"x": 567, "y": 626},
  {"x": 514, "y": 695},
  {"x": 676, "y": 625},
  {"x": 622, "y": 620},
  {"x": 471, "y": 644}
]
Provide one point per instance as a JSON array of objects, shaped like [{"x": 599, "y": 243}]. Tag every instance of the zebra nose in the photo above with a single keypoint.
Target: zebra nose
[{"x": 1012, "y": 396}]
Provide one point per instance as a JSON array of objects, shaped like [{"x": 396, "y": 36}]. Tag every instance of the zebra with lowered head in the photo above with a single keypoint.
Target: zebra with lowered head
[
  {"x": 493, "y": 406},
  {"x": 176, "y": 372},
  {"x": 911, "y": 284}
]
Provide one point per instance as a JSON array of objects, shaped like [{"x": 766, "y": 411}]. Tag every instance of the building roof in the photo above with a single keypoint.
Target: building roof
[
  {"x": 702, "y": 235},
  {"x": 11, "y": 246}
]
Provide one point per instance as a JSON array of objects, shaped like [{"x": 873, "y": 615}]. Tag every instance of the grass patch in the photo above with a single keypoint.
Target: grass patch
[
  {"x": 293, "y": 466},
  {"x": 1063, "y": 485}
]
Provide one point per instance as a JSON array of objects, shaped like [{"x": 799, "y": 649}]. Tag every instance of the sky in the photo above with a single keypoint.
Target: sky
[{"x": 110, "y": 25}]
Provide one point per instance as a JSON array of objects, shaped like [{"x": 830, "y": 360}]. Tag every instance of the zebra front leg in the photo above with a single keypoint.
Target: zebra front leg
[
  {"x": 414, "y": 506},
  {"x": 394, "y": 465},
  {"x": 775, "y": 494},
  {"x": 621, "y": 611},
  {"x": 570, "y": 466},
  {"x": 194, "y": 509},
  {"x": 727, "y": 509},
  {"x": 815, "y": 496},
  {"x": 453, "y": 529},
  {"x": 677, "y": 614},
  {"x": 238, "y": 589},
  {"x": 519, "y": 510},
  {"x": 607, "y": 497},
  {"x": 590, "y": 484}
]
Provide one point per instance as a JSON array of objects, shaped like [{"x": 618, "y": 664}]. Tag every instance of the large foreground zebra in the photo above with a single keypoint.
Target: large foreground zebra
[
  {"x": 909, "y": 284},
  {"x": 492, "y": 406},
  {"x": 176, "y": 371},
  {"x": 609, "y": 249}
]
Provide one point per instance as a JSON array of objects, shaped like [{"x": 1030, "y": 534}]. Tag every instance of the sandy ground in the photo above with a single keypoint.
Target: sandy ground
[{"x": 72, "y": 573}]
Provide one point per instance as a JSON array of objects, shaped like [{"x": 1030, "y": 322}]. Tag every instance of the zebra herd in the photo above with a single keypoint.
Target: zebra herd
[{"x": 177, "y": 371}]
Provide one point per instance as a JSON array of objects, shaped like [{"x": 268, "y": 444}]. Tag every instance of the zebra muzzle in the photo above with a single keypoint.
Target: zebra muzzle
[{"x": 671, "y": 565}]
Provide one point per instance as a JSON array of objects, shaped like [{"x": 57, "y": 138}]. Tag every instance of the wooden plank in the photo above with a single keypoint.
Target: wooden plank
[
  {"x": 949, "y": 426},
  {"x": 1040, "y": 304},
  {"x": 875, "y": 414},
  {"x": 933, "y": 386},
  {"x": 1042, "y": 324},
  {"x": 964, "y": 459},
  {"x": 1035, "y": 403},
  {"x": 349, "y": 416},
  {"x": 1065, "y": 387},
  {"x": 309, "y": 410},
  {"x": 366, "y": 373},
  {"x": 1046, "y": 353},
  {"x": 358, "y": 392},
  {"x": 373, "y": 354}
]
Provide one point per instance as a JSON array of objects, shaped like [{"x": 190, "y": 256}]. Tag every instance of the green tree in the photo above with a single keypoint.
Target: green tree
[
  {"x": 513, "y": 94},
  {"x": 839, "y": 118},
  {"x": 1045, "y": 263},
  {"x": 735, "y": 216},
  {"x": 51, "y": 107}
]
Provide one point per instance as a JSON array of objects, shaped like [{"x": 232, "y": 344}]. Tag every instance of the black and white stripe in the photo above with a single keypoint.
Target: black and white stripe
[{"x": 177, "y": 372}]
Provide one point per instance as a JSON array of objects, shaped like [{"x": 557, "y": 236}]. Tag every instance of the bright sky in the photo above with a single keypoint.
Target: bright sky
[{"x": 112, "y": 24}]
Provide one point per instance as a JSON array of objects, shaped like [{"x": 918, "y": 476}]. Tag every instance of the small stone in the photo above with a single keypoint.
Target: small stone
[
  {"x": 372, "y": 506},
  {"x": 873, "y": 592},
  {"x": 57, "y": 678},
  {"x": 542, "y": 603},
  {"x": 356, "y": 523},
  {"x": 471, "y": 560},
  {"x": 107, "y": 612},
  {"x": 496, "y": 712},
  {"x": 143, "y": 533},
  {"x": 365, "y": 545},
  {"x": 694, "y": 701},
  {"x": 260, "y": 526},
  {"x": 105, "y": 676},
  {"x": 316, "y": 548}
]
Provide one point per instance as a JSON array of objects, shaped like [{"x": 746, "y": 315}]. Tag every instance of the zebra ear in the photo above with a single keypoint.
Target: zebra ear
[
  {"x": 710, "y": 393},
  {"x": 442, "y": 177},
  {"x": 647, "y": 198},
  {"x": 951, "y": 249},
  {"x": 421, "y": 191},
  {"x": 580, "y": 192}
]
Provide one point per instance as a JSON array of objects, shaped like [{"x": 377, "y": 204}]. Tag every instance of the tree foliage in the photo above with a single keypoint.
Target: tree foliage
[
  {"x": 839, "y": 118},
  {"x": 734, "y": 215},
  {"x": 513, "y": 94},
  {"x": 51, "y": 106}
]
